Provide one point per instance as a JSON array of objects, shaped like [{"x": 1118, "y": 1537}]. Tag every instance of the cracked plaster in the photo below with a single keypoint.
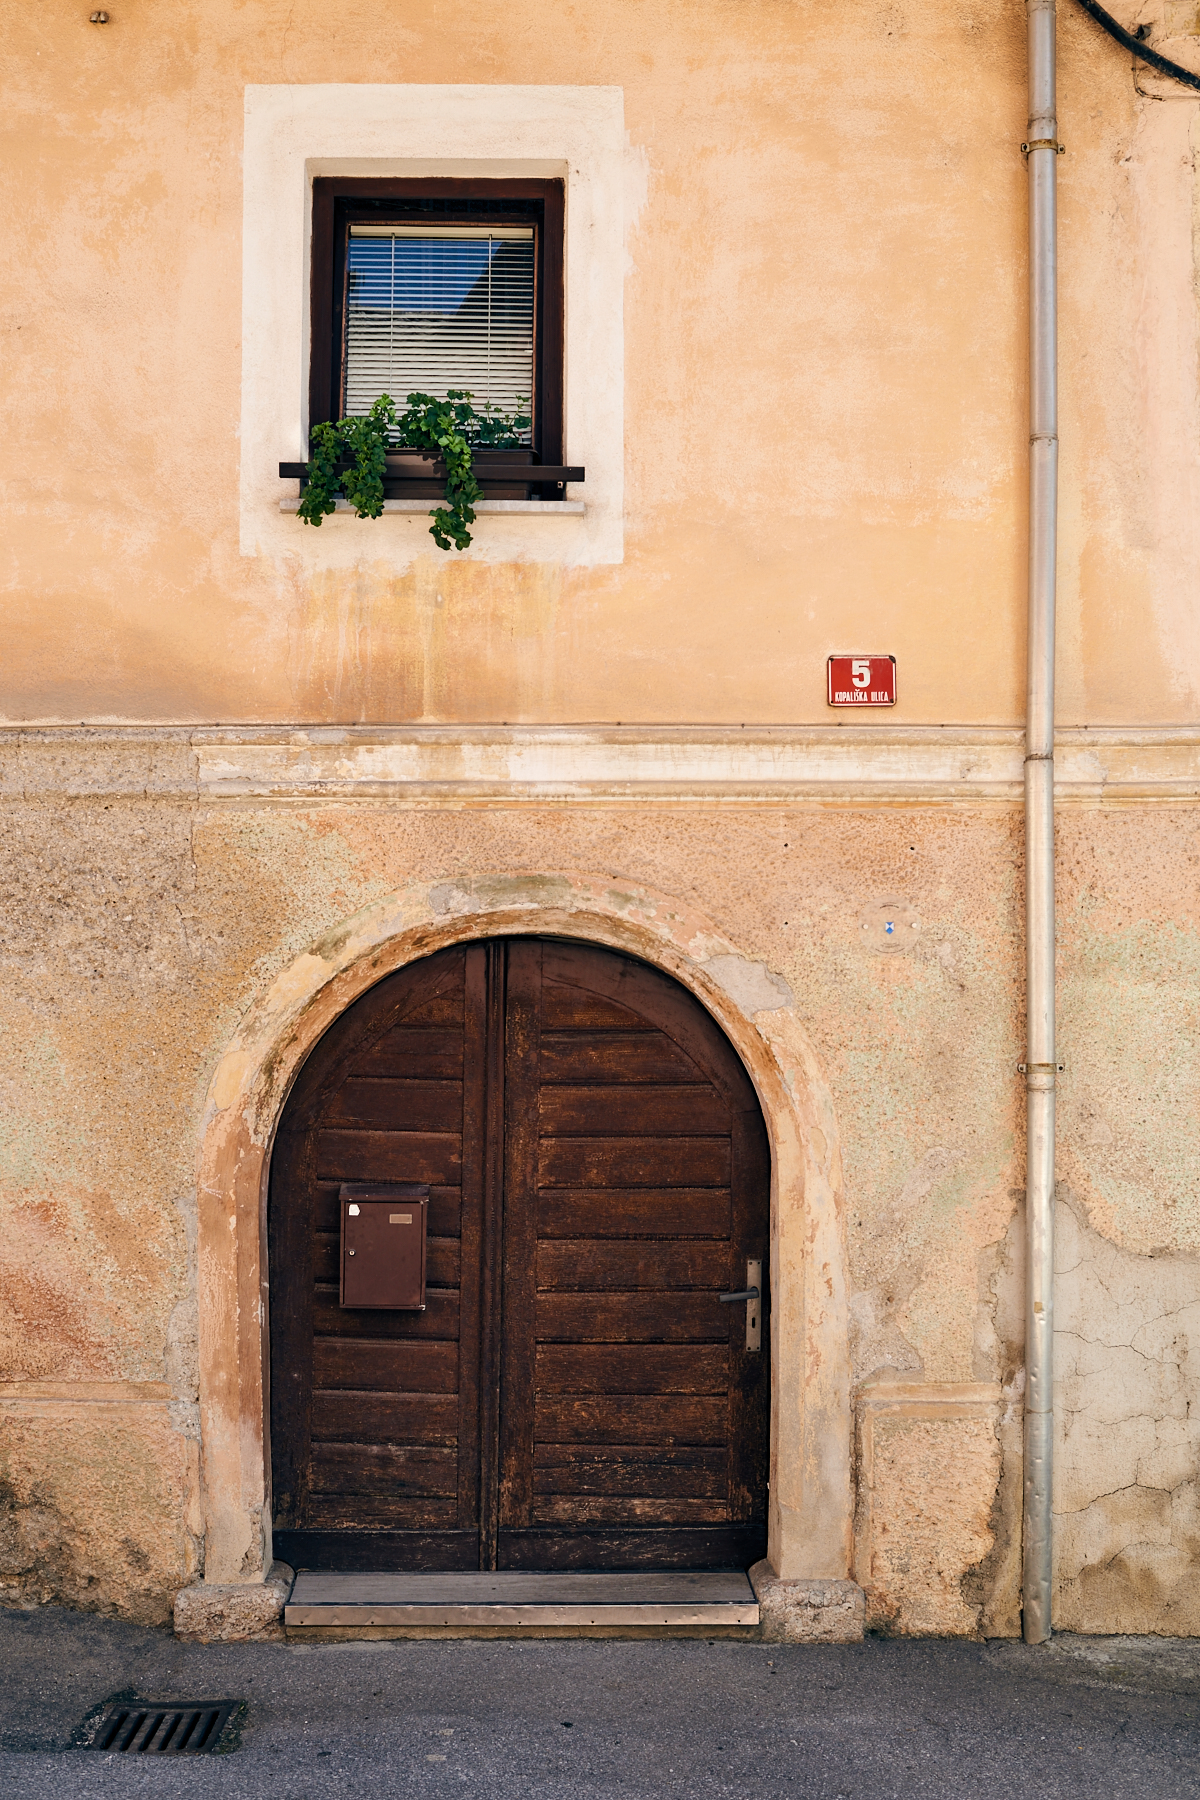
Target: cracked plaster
[{"x": 1127, "y": 1455}]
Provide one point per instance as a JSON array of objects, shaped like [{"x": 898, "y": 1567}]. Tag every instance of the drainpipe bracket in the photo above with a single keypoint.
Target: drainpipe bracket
[{"x": 1044, "y": 144}]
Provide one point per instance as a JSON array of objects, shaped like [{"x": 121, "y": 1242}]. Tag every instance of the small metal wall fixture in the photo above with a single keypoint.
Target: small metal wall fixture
[
  {"x": 98, "y": 18},
  {"x": 168, "y": 1728}
]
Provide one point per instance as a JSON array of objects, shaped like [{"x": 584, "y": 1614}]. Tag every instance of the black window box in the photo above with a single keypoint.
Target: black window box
[{"x": 502, "y": 474}]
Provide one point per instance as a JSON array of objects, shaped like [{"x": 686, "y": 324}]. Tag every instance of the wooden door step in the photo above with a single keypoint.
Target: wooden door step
[{"x": 512, "y": 1603}]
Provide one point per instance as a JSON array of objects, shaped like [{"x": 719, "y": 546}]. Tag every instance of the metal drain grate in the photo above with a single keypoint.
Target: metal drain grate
[{"x": 144, "y": 1728}]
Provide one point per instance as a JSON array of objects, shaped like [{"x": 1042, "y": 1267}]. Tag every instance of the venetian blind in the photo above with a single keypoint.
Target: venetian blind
[{"x": 433, "y": 307}]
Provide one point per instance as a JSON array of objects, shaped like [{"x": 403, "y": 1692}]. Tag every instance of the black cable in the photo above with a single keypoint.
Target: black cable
[{"x": 1161, "y": 63}]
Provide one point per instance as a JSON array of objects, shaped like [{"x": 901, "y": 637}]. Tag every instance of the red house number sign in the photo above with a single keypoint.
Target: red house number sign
[{"x": 862, "y": 681}]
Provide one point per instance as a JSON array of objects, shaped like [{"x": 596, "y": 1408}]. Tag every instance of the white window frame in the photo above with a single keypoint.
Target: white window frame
[{"x": 294, "y": 134}]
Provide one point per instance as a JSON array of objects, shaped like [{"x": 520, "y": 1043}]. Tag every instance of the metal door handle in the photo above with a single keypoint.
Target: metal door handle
[{"x": 751, "y": 1294}]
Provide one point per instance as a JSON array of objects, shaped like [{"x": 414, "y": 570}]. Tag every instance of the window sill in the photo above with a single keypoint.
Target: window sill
[{"x": 550, "y": 508}]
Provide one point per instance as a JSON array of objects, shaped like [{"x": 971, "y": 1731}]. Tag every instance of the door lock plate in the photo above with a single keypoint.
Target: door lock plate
[{"x": 754, "y": 1307}]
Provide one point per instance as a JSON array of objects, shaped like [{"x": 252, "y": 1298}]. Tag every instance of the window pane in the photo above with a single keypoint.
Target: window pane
[{"x": 434, "y": 308}]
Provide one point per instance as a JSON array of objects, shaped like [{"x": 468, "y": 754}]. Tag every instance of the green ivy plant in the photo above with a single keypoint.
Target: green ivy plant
[{"x": 451, "y": 428}]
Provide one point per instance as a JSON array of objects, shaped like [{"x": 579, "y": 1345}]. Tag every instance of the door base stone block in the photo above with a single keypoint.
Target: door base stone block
[
  {"x": 234, "y": 1613},
  {"x": 808, "y": 1612}
]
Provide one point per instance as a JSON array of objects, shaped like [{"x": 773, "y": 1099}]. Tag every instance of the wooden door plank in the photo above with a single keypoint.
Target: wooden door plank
[
  {"x": 492, "y": 1253},
  {"x": 472, "y": 1319},
  {"x": 356, "y": 1547},
  {"x": 355, "y": 1518},
  {"x": 619, "y": 1162},
  {"x": 421, "y": 1368},
  {"x": 597, "y": 1264},
  {"x": 616, "y": 1509},
  {"x": 341, "y": 1415},
  {"x": 414, "y": 1053},
  {"x": 632, "y": 1111},
  {"x": 637, "y": 1212},
  {"x": 341, "y": 1468},
  {"x": 377, "y": 1104},
  {"x": 667, "y": 1318},
  {"x": 438, "y": 1005},
  {"x": 439, "y": 1320},
  {"x": 614, "y": 1057},
  {"x": 568, "y": 1006},
  {"x": 521, "y": 1059},
  {"x": 631, "y": 1419},
  {"x": 632, "y": 1369},
  {"x": 722, "y": 1546},
  {"x": 631, "y": 1471},
  {"x": 749, "y": 1387},
  {"x": 435, "y": 1157}
]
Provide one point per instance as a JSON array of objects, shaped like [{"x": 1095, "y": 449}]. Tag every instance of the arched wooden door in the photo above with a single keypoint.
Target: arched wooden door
[{"x": 575, "y": 1395}]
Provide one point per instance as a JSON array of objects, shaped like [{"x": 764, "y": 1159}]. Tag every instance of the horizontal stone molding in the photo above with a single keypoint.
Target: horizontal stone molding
[
  {"x": 87, "y": 1393},
  {"x": 850, "y": 765}
]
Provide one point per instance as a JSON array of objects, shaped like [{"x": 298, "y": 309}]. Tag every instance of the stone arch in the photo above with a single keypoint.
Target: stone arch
[{"x": 810, "y": 1524}]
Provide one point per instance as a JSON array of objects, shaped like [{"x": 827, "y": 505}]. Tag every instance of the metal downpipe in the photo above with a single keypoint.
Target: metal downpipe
[{"x": 1040, "y": 1055}]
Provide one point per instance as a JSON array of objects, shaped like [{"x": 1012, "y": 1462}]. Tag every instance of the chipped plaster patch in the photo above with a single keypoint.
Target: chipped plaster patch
[
  {"x": 751, "y": 985},
  {"x": 1127, "y": 1392}
]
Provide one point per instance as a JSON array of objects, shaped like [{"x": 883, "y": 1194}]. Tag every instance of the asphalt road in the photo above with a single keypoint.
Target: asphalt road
[{"x": 1102, "y": 1718}]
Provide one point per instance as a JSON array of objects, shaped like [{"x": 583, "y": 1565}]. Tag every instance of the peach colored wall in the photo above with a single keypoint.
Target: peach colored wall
[
  {"x": 825, "y": 421},
  {"x": 824, "y": 450},
  {"x": 143, "y": 923}
]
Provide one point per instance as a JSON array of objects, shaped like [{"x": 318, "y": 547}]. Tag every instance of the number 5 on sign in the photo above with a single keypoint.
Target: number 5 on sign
[{"x": 862, "y": 681}]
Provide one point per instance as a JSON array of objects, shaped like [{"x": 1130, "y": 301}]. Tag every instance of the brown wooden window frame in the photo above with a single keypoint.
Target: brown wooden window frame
[{"x": 341, "y": 201}]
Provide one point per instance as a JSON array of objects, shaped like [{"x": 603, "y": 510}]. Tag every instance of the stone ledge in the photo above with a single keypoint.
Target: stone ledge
[
  {"x": 814, "y": 1611},
  {"x": 243, "y": 1612},
  {"x": 848, "y": 763}
]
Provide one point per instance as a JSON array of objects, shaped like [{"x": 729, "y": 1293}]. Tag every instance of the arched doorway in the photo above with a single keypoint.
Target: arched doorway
[{"x": 575, "y": 1394}]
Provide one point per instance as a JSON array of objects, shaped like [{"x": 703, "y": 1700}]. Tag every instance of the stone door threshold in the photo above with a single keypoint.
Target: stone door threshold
[{"x": 512, "y": 1603}]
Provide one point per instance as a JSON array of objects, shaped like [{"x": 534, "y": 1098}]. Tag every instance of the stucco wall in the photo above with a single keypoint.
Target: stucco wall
[
  {"x": 822, "y": 209},
  {"x": 823, "y": 317},
  {"x": 145, "y": 923}
]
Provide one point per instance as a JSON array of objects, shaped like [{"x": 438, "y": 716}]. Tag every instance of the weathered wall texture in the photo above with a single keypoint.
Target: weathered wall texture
[
  {"x": 824, "y": 395},
  {"x": 99, "y": 1498},
  {"x": 824, "y": 450},
  {"x": 139, "y": 926},
  {"x": 1127, "y": 1493}
]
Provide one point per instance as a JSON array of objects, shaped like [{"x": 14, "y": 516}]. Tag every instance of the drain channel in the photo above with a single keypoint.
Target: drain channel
[{"x": 144, "y": 1728}]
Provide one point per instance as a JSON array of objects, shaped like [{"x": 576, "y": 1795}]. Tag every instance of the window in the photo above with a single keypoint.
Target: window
[
  {"x": 424, "y": 286},
  {"x": 436, "y": 307}
]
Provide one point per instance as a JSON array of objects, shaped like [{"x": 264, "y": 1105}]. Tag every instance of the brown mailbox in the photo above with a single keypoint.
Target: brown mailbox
[{"x": 383, "y": 1244}]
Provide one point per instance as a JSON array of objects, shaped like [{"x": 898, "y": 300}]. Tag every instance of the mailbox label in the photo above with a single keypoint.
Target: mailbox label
[{"x": 862, "y": 680}]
